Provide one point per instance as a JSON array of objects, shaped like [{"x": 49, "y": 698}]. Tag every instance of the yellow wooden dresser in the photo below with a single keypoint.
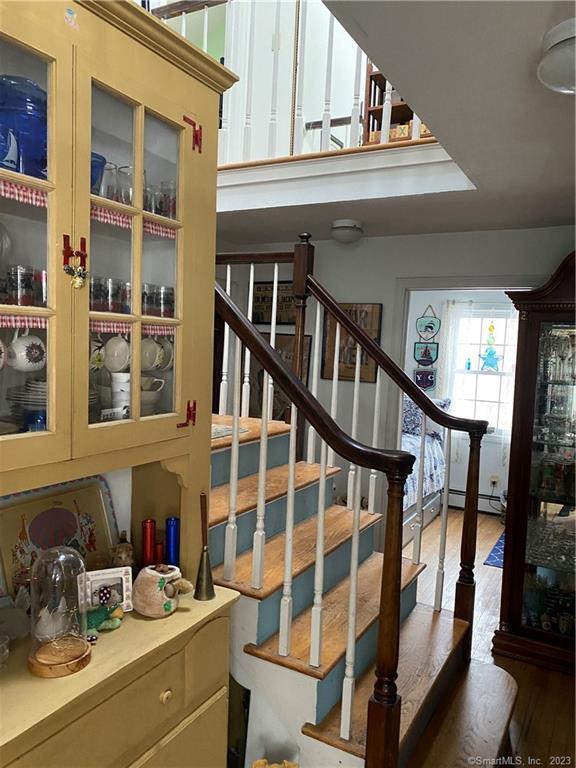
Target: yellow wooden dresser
[{"x": 108, "y": 149}]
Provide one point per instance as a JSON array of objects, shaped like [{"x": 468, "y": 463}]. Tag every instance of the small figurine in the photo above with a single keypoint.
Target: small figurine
[
  {"x": 107, "y": 615},
  {"x": 123, "y": 552},
  {"x": 156, "y": 589}
]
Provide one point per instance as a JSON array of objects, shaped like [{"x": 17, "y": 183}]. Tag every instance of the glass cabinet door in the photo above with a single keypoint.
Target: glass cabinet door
[
  {"x": 548, "y": 592},
  {"x": 35, "y": 215},
  {"x": 132, "y": 340}
]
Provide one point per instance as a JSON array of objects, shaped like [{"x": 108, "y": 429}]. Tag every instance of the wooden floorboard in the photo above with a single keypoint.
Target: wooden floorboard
[
  {"x": 276, "y": 486},
  {"x": 253, "y": 429},
  {"x": 338, "y": 529},
  {"x": 335, "y": 620},
  {"x": 428, "y": 639}
]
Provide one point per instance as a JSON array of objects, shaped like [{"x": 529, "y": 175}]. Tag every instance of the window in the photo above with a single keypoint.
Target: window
[{"x": 484, "y": 365}]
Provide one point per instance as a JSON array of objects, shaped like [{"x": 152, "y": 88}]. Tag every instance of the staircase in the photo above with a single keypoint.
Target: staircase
[{"x": 345, "y": 668}]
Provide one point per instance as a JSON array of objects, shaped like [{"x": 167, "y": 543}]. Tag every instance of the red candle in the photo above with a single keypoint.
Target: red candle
[
  {"x": 159, "y": 552},
  {"x": 148, "y": 542}
]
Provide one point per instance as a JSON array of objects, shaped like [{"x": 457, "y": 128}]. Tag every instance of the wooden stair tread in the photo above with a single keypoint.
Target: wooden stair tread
[
  {"x": 335, "y": 620},
  {"x": 427, "y": 640},
  {"x": 468, "y": 724},
  {"x": 254, "y": 427},
  {"x": 338, "y": 529},
  {"x": 276, "y": 487}
]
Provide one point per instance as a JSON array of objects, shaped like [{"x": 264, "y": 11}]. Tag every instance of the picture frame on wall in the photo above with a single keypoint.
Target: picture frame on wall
[
  {"x": 284, "y": 345},
  {"x": 369, "y": 318},
  {"x": 262, "y": 303}
]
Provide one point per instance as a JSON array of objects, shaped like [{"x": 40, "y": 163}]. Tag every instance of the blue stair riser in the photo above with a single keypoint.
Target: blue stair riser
[
  {"x": 329, "y": 690},
  {"x": 336, "y": 568},
  {"x": 305, "y": 506},
  {"x": 248, "y": 459}
]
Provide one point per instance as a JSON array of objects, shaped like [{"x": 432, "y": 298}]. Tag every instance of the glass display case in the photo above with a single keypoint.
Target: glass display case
[{"x": 537, "y": 615}]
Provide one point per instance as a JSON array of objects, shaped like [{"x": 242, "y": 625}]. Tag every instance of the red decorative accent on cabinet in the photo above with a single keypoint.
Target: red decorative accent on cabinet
[
  {"x": 190, "y": 415},
  {"x": 196, "y": 133},
  {"x": 67, "y": 251},
  {"x": 81, "y": 254}
]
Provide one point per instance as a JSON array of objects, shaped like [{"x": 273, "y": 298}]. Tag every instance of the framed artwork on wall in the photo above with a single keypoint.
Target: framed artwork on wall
[
  {"x": 262, "y": 305},
  {"x": 284, "y": 345},
  {"x": 368, "y": 317}
]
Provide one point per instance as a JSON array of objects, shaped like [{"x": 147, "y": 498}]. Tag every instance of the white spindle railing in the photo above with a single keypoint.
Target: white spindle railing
[
  {"x": 334, "y": 399},
  {"x": 355, "y": 114},
  {"x": 416, "y": 123},
  {"x": 273, "y": 321},
  {"x": 311, "y": 452},
  {"x": 183, "y": 24},
  {"x": 375, "y": 432},
  {"x": 326, "y": 115},
  {"x": 419, "y": 522},
  {"x": 443, "y": 522},
  {"x": 354, "y": 431},
  {"x": 205, "y": 21},
  {"x": 260, "y": 533},
  {"x": 273, "y": 127},
  {"x": 229, "y": 49},
  {"x": 247, "y": 135},
  {"x": 223, "y": 402},
  {"x": 298, "y": 138},
  {"x": 349, "y": 680},
  {"x": 284, "y": 635},
  {"x": 386, "y": 113},
  {"x": 231, "y": 534},
  {"x": 317, "y": 608},
  {"x": 246, "y": 383}
]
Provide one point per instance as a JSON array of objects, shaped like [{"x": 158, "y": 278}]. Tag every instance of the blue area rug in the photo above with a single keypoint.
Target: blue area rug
[{"x": 496, "y": 556}]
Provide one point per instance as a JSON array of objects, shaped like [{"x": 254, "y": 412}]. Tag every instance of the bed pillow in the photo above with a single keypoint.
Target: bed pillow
[{"x": 412, "y": 417}]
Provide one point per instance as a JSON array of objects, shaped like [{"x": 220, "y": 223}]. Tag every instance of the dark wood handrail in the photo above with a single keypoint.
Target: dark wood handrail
[
  {"x": 472, "y": 426},
  {"x": 399, "y": 463},
  {"x": 264, "y": 257}
]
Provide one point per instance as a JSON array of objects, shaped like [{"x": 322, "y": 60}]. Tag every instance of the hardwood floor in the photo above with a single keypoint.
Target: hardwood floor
[{"x": 542, "y": 726}]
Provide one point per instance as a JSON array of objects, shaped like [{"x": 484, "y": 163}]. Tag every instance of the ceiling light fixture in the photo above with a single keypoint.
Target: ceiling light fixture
[
  {"x": 346, "y": 230},
  {"x": 557, "y": 65}
]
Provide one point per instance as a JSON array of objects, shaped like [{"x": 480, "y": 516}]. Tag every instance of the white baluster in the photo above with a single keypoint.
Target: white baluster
[
  {"x": 286, "y": 601},
  {"x": 354, "y": 432},
  {"x": 355, "y": 114},
  {"x": 386, "y": 113},
  {"x": 273, "y": 338},
  {"x": 311, "y": 452},
  {"x": 326, "y": 116},
  {"x": 349, "y": 682},
  {"x": 229, "y": 35},
  {"x": 205, "y": 19},
  {"x": 223, "y": 403},
  {"x": 443, "y": 522},
  {"x": 375, "y": 432},
  {"x": 247, "y": 135},
  {"x": 416, "y": 123},
  {"x": 317, "y": 608},
  {"x": 183, "y": 25},
  {"x": 246, "y": 384},
  {"x": 260, "y": 532},
  {"x": 299, "y": 108},
  {"x": 273, "y": 127},
  {"x": 231, "y": 528},
  {"x": 418, "y": 525},
  {"x": 334, "y": 401}
]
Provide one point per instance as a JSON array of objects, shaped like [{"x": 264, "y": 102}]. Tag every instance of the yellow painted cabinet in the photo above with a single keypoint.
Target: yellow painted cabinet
[{"x": 108, "y": 132}]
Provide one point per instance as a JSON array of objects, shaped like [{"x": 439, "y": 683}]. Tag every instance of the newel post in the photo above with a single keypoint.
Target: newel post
[
  {"x": 465, "y": 586},
  {"x": 383, "y": 732},
  {"x": 303, "y": 266}
]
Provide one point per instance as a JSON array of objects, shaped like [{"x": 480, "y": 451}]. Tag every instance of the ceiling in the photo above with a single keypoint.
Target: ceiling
[{"x": 469, "y": 71}]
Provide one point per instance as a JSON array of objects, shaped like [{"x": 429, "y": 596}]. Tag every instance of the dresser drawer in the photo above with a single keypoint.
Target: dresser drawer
[
  {"x": 120, "y": 727},
  {"x": 206, "y": 656}
]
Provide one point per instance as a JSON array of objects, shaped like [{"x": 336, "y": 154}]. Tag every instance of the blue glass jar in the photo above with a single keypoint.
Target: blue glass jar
[
  {"x": 23, "y": 126},
  {"x": 36, "y": 421}
]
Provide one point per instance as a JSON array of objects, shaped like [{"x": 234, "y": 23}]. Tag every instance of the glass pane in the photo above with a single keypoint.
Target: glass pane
[
  {"x": 465, "y": 385},
  {"x": 110, "y": 368},
  {"x": 467, "y": 357},
  {"x": 110, "y": 261},
  {"x": 111, "y": 167},
  {"x": 487, "y": 411},
  {"x": 23, "y": 109},
  {"x": 158, "y": 271},
  {"x": 157, "y": 363},
  {"x": 488, "y": 387},
  {"x": 469, "y": 329},
  {"x": 23, "y": 247},
  {"x": 23, "y": 375},
  {"x": 463, "y": 408},
  {"x": 160, "y": 167}
]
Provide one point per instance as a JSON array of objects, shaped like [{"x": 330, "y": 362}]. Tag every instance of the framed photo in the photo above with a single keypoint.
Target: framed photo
[
  {"x": 368, "y": 317},
  {"x": 262, "y": 304},
  {"x": 285, "y": 347},
  {"x": 110, "y": 586}
]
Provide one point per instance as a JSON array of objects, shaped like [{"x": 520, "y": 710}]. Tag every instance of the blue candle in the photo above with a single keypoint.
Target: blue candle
[{"x": 173, "y": 540}]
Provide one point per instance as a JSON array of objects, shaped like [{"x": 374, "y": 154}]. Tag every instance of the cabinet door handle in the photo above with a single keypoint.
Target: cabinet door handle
[
  {"x": 75, "y": 261},
  {"x": 166, "y": 696},
  {"x": 190, "y": 415}
]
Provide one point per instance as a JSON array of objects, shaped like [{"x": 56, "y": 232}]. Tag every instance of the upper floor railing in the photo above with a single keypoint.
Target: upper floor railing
[{"x": 305, "y": 85}]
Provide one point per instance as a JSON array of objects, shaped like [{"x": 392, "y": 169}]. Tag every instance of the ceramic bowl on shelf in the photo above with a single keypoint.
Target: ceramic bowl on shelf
[
  {"x": 168, "y": 348},
  {"x": 117, "y": 354}
]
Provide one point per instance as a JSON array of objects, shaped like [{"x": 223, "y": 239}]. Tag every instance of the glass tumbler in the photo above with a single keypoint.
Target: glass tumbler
[
  {"x": 125, "y": 176},
  {"x": 109, "y": 185}
]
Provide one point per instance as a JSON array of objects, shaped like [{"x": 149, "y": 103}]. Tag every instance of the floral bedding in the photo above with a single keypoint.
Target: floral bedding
[{"x": 434, "y": 467}]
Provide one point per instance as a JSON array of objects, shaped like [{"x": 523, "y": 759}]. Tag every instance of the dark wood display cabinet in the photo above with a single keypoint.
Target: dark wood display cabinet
[{"x": 537, "y": 610}]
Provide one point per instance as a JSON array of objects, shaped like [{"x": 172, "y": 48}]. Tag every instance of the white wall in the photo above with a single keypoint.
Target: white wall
[{"x": 384, "y": 269}]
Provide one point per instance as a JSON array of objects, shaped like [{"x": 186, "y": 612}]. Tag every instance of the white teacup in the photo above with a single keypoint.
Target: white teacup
[
  {"x": 26, "y": 353},
  {"x": 3, "y": 355},
  {"x": 151, "y": 354},
  {"x": 117, "y": 354},
  {"x": 150, "y": 384},
  {"x": 168, "y": 348},
  {"x": 120, "y": 382}
]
